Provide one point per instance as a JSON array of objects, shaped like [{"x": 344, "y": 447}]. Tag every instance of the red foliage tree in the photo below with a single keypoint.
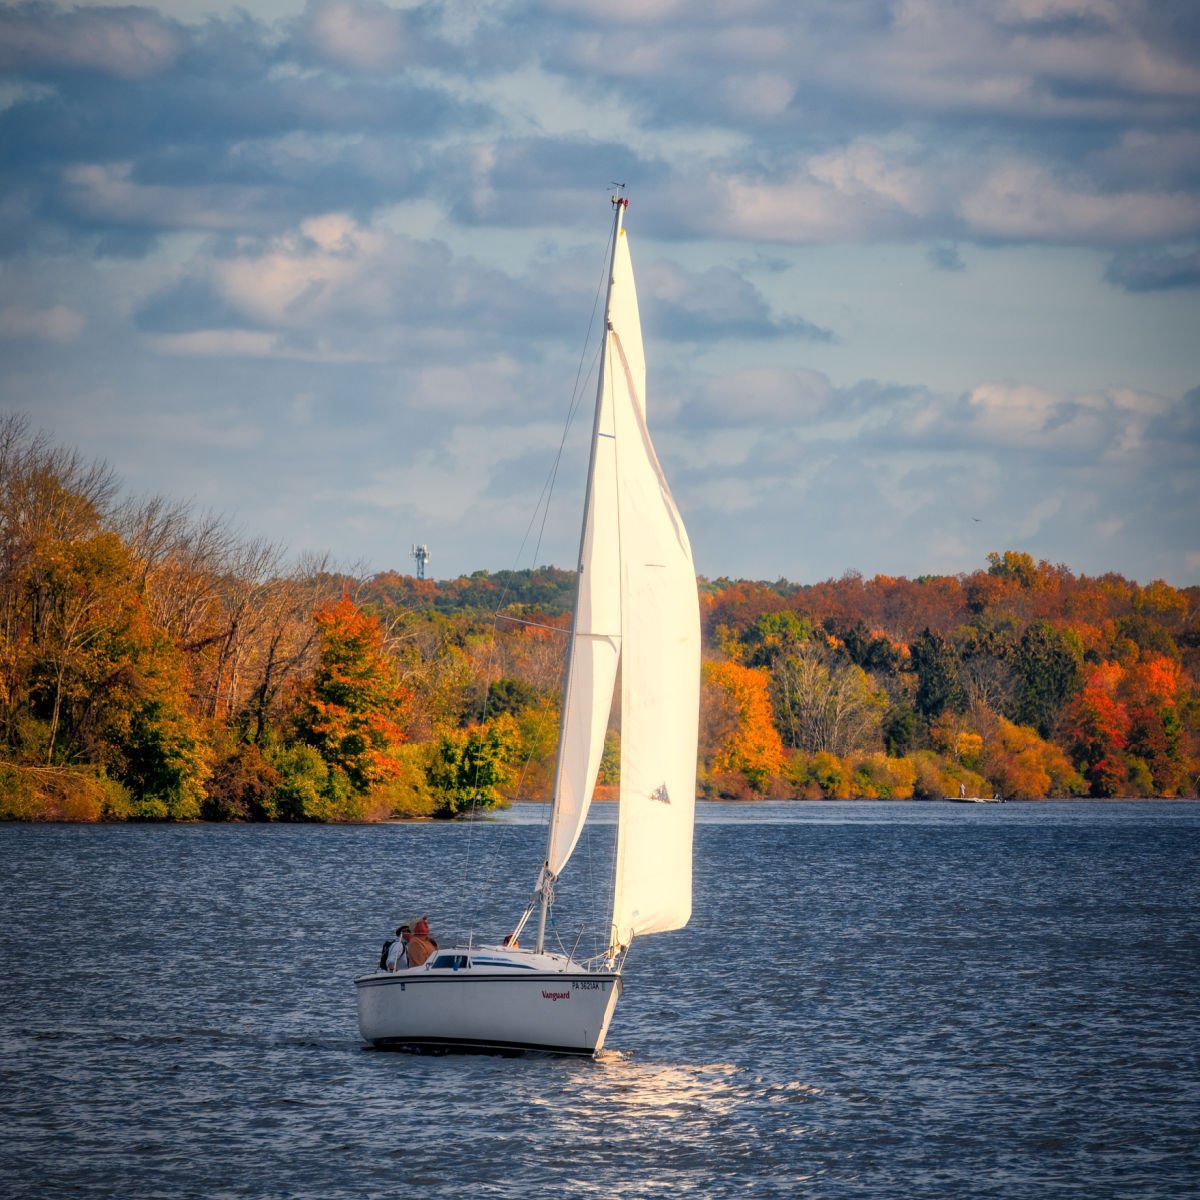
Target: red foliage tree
[{"x": 1097, "y": 731}]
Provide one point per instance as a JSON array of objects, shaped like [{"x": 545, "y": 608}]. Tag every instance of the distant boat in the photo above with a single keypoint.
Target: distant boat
[
  {"x": 974, "y": 799},
  {"x": 636, "y": 604}
]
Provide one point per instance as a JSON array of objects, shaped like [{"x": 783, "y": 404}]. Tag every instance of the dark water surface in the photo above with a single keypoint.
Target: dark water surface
[{"x": 872, "y": 1000}]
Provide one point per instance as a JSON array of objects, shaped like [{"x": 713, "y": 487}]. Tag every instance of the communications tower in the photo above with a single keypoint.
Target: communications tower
[{"x": 421, "y": 554}]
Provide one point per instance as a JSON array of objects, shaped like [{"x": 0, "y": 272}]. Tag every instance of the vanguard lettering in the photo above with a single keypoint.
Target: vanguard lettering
[{"x": 556, "y": 995}]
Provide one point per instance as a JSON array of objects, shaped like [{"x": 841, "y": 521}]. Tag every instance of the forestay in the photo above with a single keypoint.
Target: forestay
[{"x": 595, "y": 647}]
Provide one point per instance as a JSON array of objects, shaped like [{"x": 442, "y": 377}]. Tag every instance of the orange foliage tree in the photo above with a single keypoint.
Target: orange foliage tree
[
  {"x": 352, "y": 709},
  {"x": 750, "y": 746},
  {"x": 1020, "y": 765}
]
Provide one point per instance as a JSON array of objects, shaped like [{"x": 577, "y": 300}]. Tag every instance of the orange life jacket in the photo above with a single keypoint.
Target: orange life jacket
[{"x": 419, "y": 949}]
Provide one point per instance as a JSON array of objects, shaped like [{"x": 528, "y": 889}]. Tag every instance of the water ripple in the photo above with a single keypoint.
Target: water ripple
[{"x": 902, "y": 1000}]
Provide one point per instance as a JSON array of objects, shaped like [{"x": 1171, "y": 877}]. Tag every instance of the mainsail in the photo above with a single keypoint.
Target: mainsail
[{"x": 636, "y": 605}]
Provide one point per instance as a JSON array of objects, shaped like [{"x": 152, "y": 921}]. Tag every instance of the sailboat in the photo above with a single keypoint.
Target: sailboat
[{"x": 635, "y": 606}]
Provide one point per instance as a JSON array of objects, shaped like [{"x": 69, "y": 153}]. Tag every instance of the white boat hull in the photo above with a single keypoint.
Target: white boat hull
[{"x": 489, "y": 1007}]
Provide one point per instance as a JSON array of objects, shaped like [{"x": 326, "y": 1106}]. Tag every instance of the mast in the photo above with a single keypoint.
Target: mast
[{"x": 546, "y": 878}]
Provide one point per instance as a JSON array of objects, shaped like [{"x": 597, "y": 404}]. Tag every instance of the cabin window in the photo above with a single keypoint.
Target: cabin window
[{"x": 451, "y": 962}]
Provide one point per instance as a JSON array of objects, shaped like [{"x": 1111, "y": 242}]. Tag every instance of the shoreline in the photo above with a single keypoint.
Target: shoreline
[{"x": 494, "y": 814}]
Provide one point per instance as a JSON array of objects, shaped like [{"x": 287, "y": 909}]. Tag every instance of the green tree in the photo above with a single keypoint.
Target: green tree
[
  {"x": 309, "y": 788},
  {"x": 471, "y": 765},
  {"x": 899, "y": 728},
  {"x": 937, "y": 667},
  {"x": 510, "y": 695},
  {"x": 1046, "y": 671},
  {"x": 164, "y": 763},
  {"x": 773, "y": 635}
]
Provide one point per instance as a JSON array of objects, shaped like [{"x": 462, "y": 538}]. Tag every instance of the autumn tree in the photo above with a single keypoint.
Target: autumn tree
[
  {"x": 164, "y": 758},
  {"x": 1155, "y": 750},
  {"x": 1096, "y": 725},
  {"x": 747, "y": 745},
  {"x": 352, "y": 710},
  {"x": 1014, "y": 566},
  {"x": 1021, "y": 765},
  {"x": 436, "y": 666}
]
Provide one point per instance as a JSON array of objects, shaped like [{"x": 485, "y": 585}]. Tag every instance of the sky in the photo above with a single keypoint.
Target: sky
[{"x": 919, "y": 279}]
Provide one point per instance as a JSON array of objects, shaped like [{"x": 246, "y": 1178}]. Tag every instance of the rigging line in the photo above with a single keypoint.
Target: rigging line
[
  {"x": 547, "y": 494},
  {"x": 578, "y": 391},
  {"x": 543, "y": 503},
  {"x": 531, "y": 624},
  {"x": 581, "y": 380}
]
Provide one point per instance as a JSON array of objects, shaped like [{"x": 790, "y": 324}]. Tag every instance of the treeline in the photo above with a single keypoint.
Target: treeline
[
  {"x": 155, "y": 664},
  {"x": 1021, "y": 679}
]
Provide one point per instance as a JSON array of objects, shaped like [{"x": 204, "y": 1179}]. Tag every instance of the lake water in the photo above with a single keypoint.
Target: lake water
[{"x": 872, "y": 1000}]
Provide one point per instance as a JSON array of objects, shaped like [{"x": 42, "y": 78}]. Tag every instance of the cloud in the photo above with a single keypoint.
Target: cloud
[
  {"x": 110, "y": 194},
  {"x": 1033, "y": 419},
  {"x": 1106, "y": 430},
  {"x": 1166, "y": 157},
  {"x": 338, "y": 290},
  {"x": 896, "y": 121},
  {"x": 880, "y": 62},
  {"x": 360, "y": 35},
  {"x": 820, "y": 202},
  {"x": 765, "y": 397},
  {"x": 130, "y": 43},
  {"x": 226, "y": 343},
  {"x": 715, "y": 303},
  {"x": 1022, "y": 200},
  {"x": 1154, "y": 270},
  {"x": 888, "y": 479},
  {"x": 945, "y": 258},
  {"x": 874, "y": 193},
  {"x": 58, "y": 323},
  {"x": 241, "y": 134},
  {"x": 328, "y": 287},
  {"x": 494, "y": 386},
  {"x": 609, "y": 11},
  {"x": 375, "y": 230},
  {"x": 522, "y": 182}
]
